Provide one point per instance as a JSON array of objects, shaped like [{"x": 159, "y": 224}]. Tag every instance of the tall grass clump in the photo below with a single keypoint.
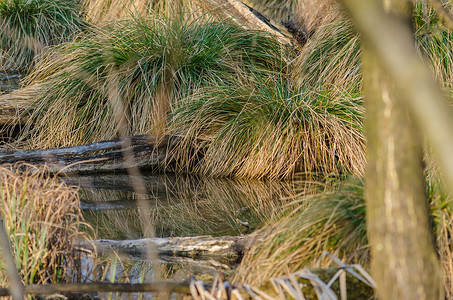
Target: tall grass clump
[
  {"x": 332, "y": 220},
  {"x": 331, "y": 57},
  {"x": 142, "y": 66},
  {"x": 27, "y": 28},
  {"x": 43, "y": 220},
  {"x": 266, "y": 127},
  {"x": 435, "y": 42},
  {"x": 332, "y": 54}
]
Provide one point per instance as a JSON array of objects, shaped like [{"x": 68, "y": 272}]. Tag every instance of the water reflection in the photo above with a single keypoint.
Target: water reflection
[
  {"x": 179, "y": 205},
  {"x": 176, "y": 205}
]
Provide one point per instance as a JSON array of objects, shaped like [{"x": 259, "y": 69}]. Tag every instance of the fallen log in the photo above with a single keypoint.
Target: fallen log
[
  {"x": 148, "y": 151},
  {"x": 227, "y": 249}
]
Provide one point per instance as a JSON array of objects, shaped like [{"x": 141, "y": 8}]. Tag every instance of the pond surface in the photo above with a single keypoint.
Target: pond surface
[{"x": 174, "y": 205}]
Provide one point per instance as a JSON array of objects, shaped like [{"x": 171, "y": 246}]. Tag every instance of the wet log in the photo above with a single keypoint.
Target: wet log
[
  {"x": 148, "y": 151},
  {"x": 226, "y": 249}
]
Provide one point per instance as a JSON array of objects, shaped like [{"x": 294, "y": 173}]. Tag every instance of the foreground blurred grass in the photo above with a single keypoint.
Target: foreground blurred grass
[
  {"x": 43, "y": 220},
  {"x": 247, "y": 113}
]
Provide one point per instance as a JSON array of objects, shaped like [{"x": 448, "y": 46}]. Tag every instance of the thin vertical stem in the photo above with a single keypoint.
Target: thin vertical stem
[{"x": 16, "y": 287}]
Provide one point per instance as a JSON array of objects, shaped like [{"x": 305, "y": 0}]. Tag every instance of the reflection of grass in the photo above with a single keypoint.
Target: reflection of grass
[
  {"x": 120, "y": 268},
  {"x": 196, "y": 207},
  {"x": 212, "y": 206},
  {"x": 43, "y": 220},
  {"x": 27, "y": 27}
]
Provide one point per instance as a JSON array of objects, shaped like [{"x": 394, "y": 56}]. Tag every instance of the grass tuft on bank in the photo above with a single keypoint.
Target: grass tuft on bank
[
  {"x": 141, "y": 68},
  {"x": 27, "y": 28},
  {"x": 268, "y": 128},
  {"x": 331, "y": 220},
  {"x": 43, "y": 220}
]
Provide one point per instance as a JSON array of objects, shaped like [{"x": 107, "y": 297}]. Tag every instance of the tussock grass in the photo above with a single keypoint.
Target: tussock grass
[
  {"x": 28, "y": 27},
  {"x": 150, "y": 63},
  {"x": 441, "y": 207},
  {"x": 266, "y": 127},
  {"x": 435, "y": 43},
  {"x": 43, "y": 221},
  {"x": 332, "y": 55},
  {"x": 334, "y": 221}
]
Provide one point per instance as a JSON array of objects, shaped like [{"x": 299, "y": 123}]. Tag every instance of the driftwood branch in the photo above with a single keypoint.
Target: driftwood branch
[
  {"x": 77, "y": 288},
  {"x": 227, "y": 249},
  {"x": 148, "y": 151}
]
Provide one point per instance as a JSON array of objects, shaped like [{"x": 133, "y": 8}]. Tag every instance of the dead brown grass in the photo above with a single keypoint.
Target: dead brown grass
[
  {"x": 98, "y": 11},
  {"x": 314, "y": 14},
  {"x": 43, "y": 220},
  {"x": 332, "y": 220},
  {"x": 14, "y": 105}
]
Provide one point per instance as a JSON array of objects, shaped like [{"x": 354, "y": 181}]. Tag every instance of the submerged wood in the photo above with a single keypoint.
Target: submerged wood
[
  {"x": 228, "y": 249},
  {"x": 149, "y": 152},
  {"x": 77, "y": 288}
]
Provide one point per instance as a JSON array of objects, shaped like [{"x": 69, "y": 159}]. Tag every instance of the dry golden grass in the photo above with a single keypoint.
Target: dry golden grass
[
  {"x": 267, "y": 128},
  {"x": 314, "y": 14},
  {"x": 43, "y": 220},
  {"x": 98, "y": 11},
  {"x": 15, "y": 104},
  {"x": 444, "y": 244},
  {"x": 331, "y": 220}
]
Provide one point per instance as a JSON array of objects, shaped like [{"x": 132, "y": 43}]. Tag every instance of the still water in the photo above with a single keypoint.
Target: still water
[{"x": 174, "y": 205}]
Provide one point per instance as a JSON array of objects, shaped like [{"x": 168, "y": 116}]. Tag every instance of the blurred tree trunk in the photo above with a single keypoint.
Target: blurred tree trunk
[{"x": 404, "y": 262}]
